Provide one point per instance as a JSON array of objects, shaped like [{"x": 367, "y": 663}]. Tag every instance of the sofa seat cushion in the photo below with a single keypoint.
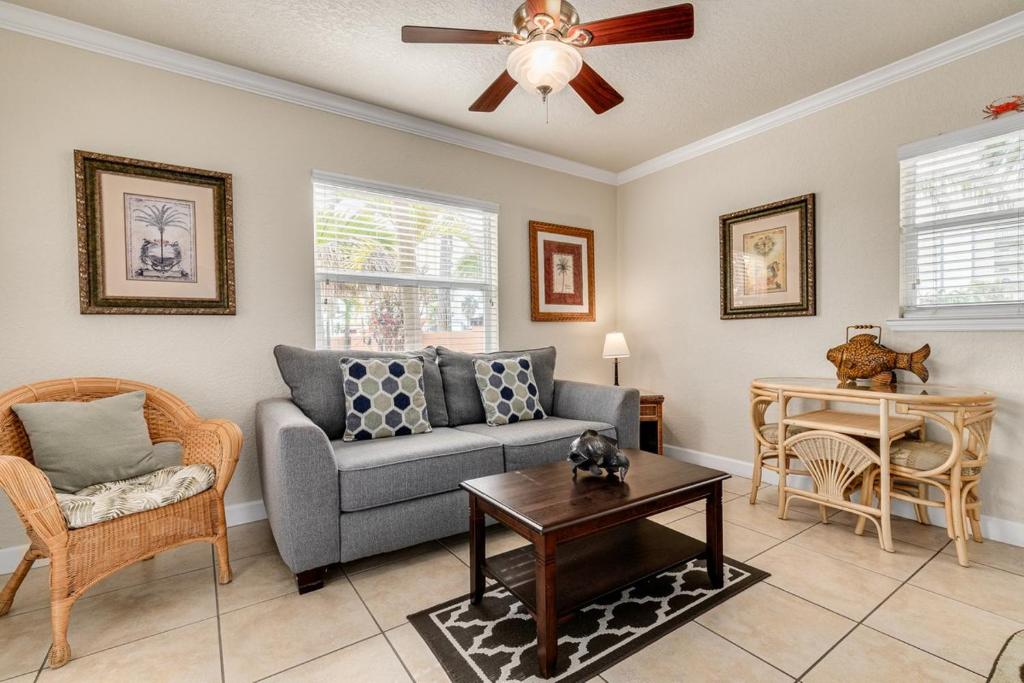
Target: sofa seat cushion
[
  {"x": 537, "y": 442},
  {"x": 103, "y": 502},
  {"x": 384, "y": 471}
]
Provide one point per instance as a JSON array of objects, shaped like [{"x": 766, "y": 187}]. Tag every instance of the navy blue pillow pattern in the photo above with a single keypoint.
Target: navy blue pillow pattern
[
  {"x": 384, "y": 397},
  {"x": 508, "y": 390}
]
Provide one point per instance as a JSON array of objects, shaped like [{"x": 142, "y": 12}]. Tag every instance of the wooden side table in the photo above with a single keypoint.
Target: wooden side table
[{"x": 651, "y": 429}]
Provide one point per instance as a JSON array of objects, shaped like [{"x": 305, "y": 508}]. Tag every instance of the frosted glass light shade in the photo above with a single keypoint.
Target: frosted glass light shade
[
  {"x": 544, "y": 64},
  {"x": 615, "y": 346}
]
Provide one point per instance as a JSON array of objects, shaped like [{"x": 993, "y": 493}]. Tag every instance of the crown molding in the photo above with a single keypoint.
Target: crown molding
[
  {"x": 57, "y": 29},
  {"x": 60, "y": 30},
  {"x": 967, "y": 44}
]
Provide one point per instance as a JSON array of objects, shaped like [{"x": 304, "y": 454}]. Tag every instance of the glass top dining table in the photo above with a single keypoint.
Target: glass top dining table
[{"x": 903, "y": 391}]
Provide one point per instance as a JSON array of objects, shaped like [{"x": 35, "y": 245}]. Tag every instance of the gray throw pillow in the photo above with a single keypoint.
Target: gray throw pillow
[
  {"x": 318, "y": 387},
  {"x": 78, "y": 444},
  {"x": 508, "y": 390},
  {"x": 462, "y": 397},
  {"x": 384, "y": 397}
]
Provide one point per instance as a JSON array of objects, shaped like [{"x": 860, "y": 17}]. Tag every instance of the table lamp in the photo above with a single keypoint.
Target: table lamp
[{"x": 615, "y": 347}]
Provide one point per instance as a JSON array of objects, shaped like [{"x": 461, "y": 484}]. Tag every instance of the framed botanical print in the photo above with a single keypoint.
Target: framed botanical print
[
  {"x": 561, "y": 273},
  {"x": 153, "y": 238},
  {"x": 767, "y": 260}
]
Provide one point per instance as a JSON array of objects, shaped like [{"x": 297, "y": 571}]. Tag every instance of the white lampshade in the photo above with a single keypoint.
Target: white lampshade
[
  {"x": 544, "y": 64},
  {"x": 615, "y": 346}
]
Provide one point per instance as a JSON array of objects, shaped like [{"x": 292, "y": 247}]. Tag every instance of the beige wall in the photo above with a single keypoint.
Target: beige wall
[
  {"x": 669, "y": 266},
  {"x": 54, "y": 99}
]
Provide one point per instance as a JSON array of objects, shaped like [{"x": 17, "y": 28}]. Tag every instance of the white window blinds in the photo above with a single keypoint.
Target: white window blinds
[
  {"x": 962, "y": 223},
  {"x": 398, "y": 269}
]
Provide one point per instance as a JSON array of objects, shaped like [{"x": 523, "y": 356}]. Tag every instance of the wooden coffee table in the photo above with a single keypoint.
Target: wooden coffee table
[{"x": 589, "y": 536}]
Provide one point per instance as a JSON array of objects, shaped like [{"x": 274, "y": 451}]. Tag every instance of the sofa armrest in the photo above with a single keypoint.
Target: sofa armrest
[
  {"x": 619, "y": 406},
  {"x": 300, "y": 485}
]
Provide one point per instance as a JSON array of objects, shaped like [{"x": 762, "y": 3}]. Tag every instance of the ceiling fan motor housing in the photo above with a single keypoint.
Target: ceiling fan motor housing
[{"x": 530, "y": 27}]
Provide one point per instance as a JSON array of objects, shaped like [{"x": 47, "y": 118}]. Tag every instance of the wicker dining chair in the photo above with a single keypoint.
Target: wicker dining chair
[
  {"x": 838, "y": 465},
  {"x": 79, "y": 558},
  {"x": 952, "y": 467},
  {"x": 766, "y": 441}
]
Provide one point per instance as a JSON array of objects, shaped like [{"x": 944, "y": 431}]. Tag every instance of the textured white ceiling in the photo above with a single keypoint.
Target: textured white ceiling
[{"x": 747, "y": 58}]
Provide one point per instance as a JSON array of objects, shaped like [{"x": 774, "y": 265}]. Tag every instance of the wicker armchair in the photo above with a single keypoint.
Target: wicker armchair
[
  {"x": 952, "y": 467},
  {"x": 81, "y": 557}
]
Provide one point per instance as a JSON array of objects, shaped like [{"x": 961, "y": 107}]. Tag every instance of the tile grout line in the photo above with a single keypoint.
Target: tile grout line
[
  {"x": 737, "y": 645},
  {"x": 91, "y": 595},
  {"x": 320, "y": 656},
  {"x": 918, "y": 647},
  {"x": 379, "y": 628},
  {"x": 216, "y": 605},
  {"x": 42, "y": 665},
  {"x": 966, "y": 604},
  {"x": 873, "y": 610}
]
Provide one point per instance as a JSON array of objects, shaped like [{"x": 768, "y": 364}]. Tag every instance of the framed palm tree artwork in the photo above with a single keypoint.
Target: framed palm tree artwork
[
  {"x": 767, "y": 260},
  {"x": 561, "y": 273},
  {"x": 153, "y": 238}
]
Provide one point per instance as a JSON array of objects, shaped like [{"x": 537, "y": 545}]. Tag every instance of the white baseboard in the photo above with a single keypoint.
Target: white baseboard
[
  {"x": 994, "y": 528},
  {"x": 237, "y": 513}
]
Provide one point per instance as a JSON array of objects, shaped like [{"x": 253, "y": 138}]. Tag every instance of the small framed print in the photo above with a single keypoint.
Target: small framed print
[
  {"x": 153, "y": 238},
  {"x": 561, "y": 273},
  {"x": 767, "y": 260}
]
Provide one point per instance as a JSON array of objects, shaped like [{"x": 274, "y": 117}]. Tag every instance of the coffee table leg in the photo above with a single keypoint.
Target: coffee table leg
[
  {"x": 715, "y": 558},
  {"x": 477, "y": 551},
  {"x": 547, "y": 615}
]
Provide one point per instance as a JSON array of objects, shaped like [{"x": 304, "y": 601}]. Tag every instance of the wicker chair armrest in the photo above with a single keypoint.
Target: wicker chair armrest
[
  {"x": 33, "y": 499},
  {"x": 216, "y": 443}
]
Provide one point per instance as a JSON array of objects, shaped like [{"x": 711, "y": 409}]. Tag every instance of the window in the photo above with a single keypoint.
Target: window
[
  {"x": 962, "y": 224},
  {"x": 398, "y": 269}
]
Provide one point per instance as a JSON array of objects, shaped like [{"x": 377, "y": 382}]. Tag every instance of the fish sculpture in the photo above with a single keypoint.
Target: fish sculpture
[
  {"x": 863, "y": 357},
  {"x": 594, "y": 452}
]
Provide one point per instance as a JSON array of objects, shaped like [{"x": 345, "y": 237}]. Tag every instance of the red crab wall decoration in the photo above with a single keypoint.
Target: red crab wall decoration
[{"x": 1004, "y": 106}]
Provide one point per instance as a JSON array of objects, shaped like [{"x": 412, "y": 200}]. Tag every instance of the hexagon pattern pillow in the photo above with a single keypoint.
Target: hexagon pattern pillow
[
  {"x": 508, "y": 390},
  {"x": 384, "y": 397}
]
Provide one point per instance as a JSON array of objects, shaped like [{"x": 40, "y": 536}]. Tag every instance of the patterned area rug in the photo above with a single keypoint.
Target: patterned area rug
[
  {"x": 1009, "y": 666},
  {"x": 495, "y": 641}
]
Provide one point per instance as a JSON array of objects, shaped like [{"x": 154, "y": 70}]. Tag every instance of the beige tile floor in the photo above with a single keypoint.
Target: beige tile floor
[{"x": 836, "y": 608}]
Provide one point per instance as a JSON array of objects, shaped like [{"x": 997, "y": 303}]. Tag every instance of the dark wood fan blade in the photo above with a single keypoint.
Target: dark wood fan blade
[
  {"x": 434, "y": 34},
  {"x": 595, "y": 91},
  {"x": 667, "y": 23},
  {"x": 495, "y": 94}
]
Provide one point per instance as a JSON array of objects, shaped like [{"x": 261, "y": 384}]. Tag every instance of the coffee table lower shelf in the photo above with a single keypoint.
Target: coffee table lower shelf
[{"x": 590, "y": 567}]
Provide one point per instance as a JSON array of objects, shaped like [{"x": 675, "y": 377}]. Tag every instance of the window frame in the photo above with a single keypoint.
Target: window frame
[
  {"x": 491, "y": 332},
  {"x": 955, "y": 317}
]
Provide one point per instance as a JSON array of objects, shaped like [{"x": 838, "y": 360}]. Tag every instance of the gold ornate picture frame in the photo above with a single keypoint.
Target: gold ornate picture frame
[
  {"x": 561, "y": 273},
  {"x": 153, "y": 238},
  {"x": 767, "y": 260}
]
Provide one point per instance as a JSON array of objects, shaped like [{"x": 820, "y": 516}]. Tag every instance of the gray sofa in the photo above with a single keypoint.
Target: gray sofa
[{"x": 332, "y": 501}]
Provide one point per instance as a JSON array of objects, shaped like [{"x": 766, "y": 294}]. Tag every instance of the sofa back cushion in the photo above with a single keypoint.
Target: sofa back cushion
[
  {"x": 318, "y": 385},
  {"x": 461, "y": 394}
]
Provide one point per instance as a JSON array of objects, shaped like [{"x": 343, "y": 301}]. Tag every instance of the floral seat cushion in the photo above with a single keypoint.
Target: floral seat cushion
[{"x": 102, "y": 502}]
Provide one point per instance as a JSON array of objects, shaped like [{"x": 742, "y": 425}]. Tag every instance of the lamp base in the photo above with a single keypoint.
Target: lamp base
[{"x": 616, "y": 372}]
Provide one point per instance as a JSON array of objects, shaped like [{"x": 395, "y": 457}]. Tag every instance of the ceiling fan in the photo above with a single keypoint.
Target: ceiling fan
[{"x": 547, "y": 36}]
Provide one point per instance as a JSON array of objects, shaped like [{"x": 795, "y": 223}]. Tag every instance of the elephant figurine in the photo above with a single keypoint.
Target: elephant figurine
[{"x": 593, "y": 452}]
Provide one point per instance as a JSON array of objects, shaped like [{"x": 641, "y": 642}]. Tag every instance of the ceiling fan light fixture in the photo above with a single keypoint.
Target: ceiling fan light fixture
[{"x": 544, "y": 66}]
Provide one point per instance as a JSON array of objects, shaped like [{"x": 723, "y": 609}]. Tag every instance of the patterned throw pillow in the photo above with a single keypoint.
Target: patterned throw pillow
[
  {"x": 384, "y": 397},
  {"x": 508, "y": 390}
]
